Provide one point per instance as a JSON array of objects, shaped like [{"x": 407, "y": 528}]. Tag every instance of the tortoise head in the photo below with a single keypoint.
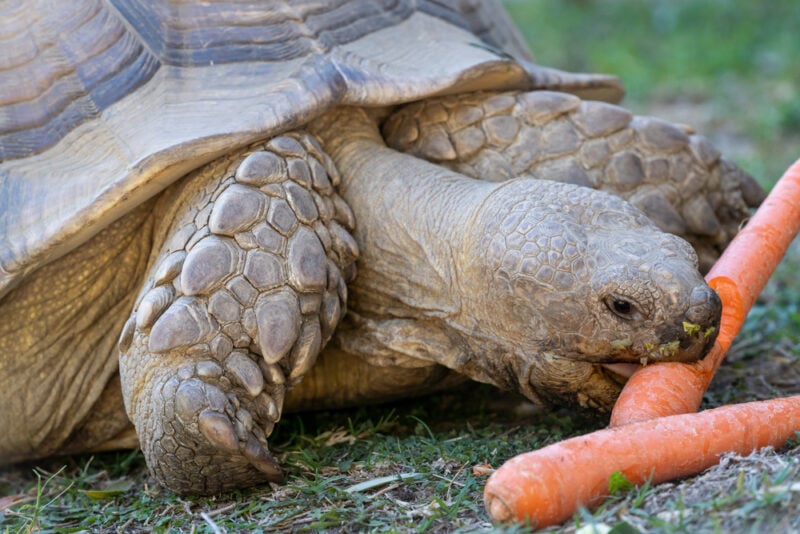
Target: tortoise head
[{"x": 575, "y": 282}]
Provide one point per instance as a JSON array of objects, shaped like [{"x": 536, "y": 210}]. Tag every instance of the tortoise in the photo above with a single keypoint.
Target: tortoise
[{"x": 212, "y": 213}]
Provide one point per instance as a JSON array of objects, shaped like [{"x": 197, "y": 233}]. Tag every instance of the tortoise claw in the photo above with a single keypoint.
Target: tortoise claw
[
  {"x": 218, "y": 430},
  {"x": 263, "y": 460}
]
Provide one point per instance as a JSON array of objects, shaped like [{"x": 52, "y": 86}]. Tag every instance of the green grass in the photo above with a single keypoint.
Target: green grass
[
  {"x": 731, "y": 67},
  {"x": 413, "y": 465}
]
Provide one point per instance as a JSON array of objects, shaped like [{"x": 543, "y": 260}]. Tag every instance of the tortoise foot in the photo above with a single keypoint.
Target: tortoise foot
[
  {"x": 209, "y": 431},
  {"x": 248, "y": 287}
]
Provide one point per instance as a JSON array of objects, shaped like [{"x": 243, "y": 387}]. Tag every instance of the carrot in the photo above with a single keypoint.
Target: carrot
[
  {"x": 738, "y": 276},
  {"x": 545, "y": 487}
]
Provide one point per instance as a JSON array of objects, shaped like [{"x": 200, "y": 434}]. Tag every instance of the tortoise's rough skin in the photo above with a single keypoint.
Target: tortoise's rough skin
[
  {"x": 186, "y": 241},
  {"x": 507, "y": 283},
  {"x": 60, "y": 328}
]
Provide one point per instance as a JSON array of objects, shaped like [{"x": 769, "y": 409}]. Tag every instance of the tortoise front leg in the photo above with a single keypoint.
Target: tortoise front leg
[
  {"x": 673, "y": 175},
  {"x": 246, "y": 289}
]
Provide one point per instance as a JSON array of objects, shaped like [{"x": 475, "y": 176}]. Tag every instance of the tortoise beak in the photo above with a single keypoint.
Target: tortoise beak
[
  {"x": 705, "y": 307},
  {"x": 701, "y": 325}
]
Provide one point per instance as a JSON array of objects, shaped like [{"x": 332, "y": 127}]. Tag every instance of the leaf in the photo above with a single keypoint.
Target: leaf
[
  {"x": 111, "y": 490},
  {"x": 381, "y": 481},
  {"x": 12, "y": 500},
  {"x": 691, "y": 328},
  {"x": 482, "y": 470},
  {"x": 617, "y": 483}
]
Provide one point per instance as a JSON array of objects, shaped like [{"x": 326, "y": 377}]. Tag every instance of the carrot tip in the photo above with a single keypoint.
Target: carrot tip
[{"x": 498, "y": 510}]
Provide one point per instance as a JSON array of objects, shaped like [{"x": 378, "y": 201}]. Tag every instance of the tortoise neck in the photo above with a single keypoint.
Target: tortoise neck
[
  {"x": 420, "y": 229},
  {"x": 411, "y": 220}
]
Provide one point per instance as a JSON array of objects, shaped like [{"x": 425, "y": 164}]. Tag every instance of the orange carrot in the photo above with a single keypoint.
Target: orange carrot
[
  {"x": 738, "y": 276},
  {"x": 545, "y": 487}
]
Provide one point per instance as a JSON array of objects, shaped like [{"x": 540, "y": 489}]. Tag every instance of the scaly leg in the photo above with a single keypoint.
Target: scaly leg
[
  {"x": 675, "y": 176},
  {"x": 248, "y": 286}
]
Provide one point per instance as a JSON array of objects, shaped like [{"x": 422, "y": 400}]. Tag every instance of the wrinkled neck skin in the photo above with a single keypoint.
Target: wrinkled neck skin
[
  {"x": 415, "y": 233},
  {"x": 410, "y": 215}
]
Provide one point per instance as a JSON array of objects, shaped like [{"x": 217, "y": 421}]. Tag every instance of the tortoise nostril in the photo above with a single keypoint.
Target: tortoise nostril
[{"x": 705, "y": 307}]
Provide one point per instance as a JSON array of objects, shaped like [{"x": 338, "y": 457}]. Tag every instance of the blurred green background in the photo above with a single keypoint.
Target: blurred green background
[{"x": 730, "y": 68}]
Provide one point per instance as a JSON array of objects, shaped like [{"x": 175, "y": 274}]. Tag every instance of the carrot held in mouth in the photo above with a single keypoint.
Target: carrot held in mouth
[{"x": 738, "y": 276}]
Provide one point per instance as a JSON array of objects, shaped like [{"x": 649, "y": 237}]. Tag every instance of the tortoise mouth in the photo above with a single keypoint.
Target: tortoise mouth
[
  {"x": 684, "y": 347},
  {"x": 567, "y": 381}
]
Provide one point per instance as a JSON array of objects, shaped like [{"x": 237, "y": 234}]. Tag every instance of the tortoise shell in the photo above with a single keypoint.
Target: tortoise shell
[{"x": 105, "y": 103}]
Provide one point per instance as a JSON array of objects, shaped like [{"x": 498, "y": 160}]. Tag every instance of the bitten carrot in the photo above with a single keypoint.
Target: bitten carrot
[
  {"x": 738, "y": 276},
  {"x": 545, "y": 487}
]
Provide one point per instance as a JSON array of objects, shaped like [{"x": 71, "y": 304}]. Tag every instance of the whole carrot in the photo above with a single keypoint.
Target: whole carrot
[
  {"x": 545, "y": 487},
  {"x": 738, "y": 276}
]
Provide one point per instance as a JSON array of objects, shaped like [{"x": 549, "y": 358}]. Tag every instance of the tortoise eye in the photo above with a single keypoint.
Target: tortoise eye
[{"x": 620, "y": 306}]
